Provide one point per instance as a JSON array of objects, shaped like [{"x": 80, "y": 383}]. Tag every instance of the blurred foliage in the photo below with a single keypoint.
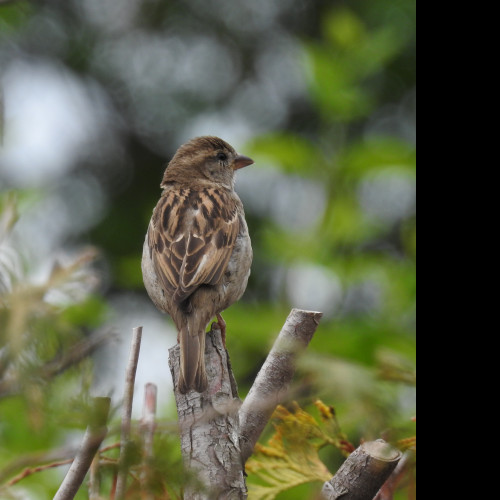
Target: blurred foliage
[
  {"x": 45, "y": 331},
  {"x": 326, "y": 92}
]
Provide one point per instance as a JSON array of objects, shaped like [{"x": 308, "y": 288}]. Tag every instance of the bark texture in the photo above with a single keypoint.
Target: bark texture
[
  {"x": 209, "y": 427},
  {"x": 363, "y": 473}
]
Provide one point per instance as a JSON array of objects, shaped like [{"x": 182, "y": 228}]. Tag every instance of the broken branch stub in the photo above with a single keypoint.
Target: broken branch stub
[{"x": 363, "y": 473}]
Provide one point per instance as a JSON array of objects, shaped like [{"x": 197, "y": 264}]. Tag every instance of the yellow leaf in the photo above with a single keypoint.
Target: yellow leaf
[{"x": 290, "y": 457}]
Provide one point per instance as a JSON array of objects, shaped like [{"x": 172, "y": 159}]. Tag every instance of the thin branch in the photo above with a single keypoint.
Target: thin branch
[
  {"x": 148, "y": 423},
  {"x": 148, "y": 427},
  {"x": 33, "y": 470},
  {"x": 363, "y": 473},
  {"x": 94, "y": 436},
  {"x": 109, "y": 448},
  {"x": 41, "y": 458},
  {"x": 271, "y": 384},
  {"x": 128, "y": 399}
]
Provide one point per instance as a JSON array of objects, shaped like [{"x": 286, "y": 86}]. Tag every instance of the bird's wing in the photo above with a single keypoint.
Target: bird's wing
[{"x": 191, "y": 238}]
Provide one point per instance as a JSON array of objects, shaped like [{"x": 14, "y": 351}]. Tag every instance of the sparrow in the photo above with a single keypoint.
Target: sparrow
[{"x": 197, "y": 253}]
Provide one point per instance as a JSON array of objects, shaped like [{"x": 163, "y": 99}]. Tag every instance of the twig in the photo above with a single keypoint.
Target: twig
[
  {"x": 148, "y": 426},
  {"x": 148, "y": 423},
  {"x": 33, "y": 470},
  {"x": 128, "y": 399},
  {"x": 272, "y": 382},
  {"x": 94, "y": 436},
  {"x": 109, "y": 448},
  {"x": 28, "y": 460},
  {"x": 363, "y": 473}
]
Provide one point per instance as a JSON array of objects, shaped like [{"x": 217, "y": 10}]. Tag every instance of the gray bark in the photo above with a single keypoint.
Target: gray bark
[
  {"x": 390, "y": 486},
  {"x": 218, "y": 432},
  {"x": 209, "y": 428},
  {"x": 363, "y": 473},
  {"x": 94, "y": 436},
  {"x": 217, "y": 436}
]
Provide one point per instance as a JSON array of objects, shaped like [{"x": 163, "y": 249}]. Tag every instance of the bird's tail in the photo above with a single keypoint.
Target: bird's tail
[{"x": 192, "y": 373}]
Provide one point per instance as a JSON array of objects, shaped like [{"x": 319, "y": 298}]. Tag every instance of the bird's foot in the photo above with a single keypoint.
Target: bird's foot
[{"x": 222, "y": 326}]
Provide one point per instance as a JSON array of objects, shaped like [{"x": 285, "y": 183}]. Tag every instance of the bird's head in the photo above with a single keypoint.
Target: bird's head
[{"x": 205, "y": 159}]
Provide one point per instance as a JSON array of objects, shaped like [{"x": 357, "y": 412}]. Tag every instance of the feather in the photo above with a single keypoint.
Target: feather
[{"x": 193, "y": 248}]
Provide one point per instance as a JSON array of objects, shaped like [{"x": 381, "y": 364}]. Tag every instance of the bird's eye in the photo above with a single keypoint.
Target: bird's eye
[{"x": 222, "y": 156}]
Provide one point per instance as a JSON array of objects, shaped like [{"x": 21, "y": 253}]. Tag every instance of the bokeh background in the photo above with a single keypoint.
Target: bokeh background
[{"x": 96, "y": 96}]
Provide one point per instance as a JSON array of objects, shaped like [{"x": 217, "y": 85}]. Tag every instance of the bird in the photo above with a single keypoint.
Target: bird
[{"x": 197, "y": 253}]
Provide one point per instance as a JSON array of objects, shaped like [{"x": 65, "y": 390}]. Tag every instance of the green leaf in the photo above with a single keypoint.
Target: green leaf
[
  {"x": 289, "y": 151},
  {"x": 334, "y": 88},
  {"x": 375, "y": 153},
  {"x": 343, "y": 68},
  {"x": 128, "y": 272},
  {"x": 14, "y": 15},
  {"x": 91, "y": 312},
  {"x": 343, "y": 28}
]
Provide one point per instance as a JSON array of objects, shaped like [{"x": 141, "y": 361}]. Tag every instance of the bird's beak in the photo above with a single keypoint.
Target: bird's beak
[{"x": 242, "y": 161}]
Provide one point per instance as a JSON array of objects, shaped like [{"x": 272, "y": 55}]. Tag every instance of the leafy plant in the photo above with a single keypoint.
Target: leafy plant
[{"x": 291, "y": 456}]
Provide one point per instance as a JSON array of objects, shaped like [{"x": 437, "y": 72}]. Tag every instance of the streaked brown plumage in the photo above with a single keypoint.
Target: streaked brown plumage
[{"x": 197, "y": 254}]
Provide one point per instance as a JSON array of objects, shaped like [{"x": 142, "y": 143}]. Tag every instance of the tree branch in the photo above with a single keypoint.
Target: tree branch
[
  {"x": 217, "y": 436},
  {"x": 148, "y": 426},
  {"x": 209, "y": 427},
  {"x": 94, "y": 436},
  {"x": 271, "y": 385},
  {"x": 363, "y": 473},
  {"x": 390, "y": 486},
  {"x": 128, "y": 400}
]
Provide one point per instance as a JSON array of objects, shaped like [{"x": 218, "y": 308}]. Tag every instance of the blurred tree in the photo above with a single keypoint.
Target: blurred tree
[{"x": 96, "y": 97}]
